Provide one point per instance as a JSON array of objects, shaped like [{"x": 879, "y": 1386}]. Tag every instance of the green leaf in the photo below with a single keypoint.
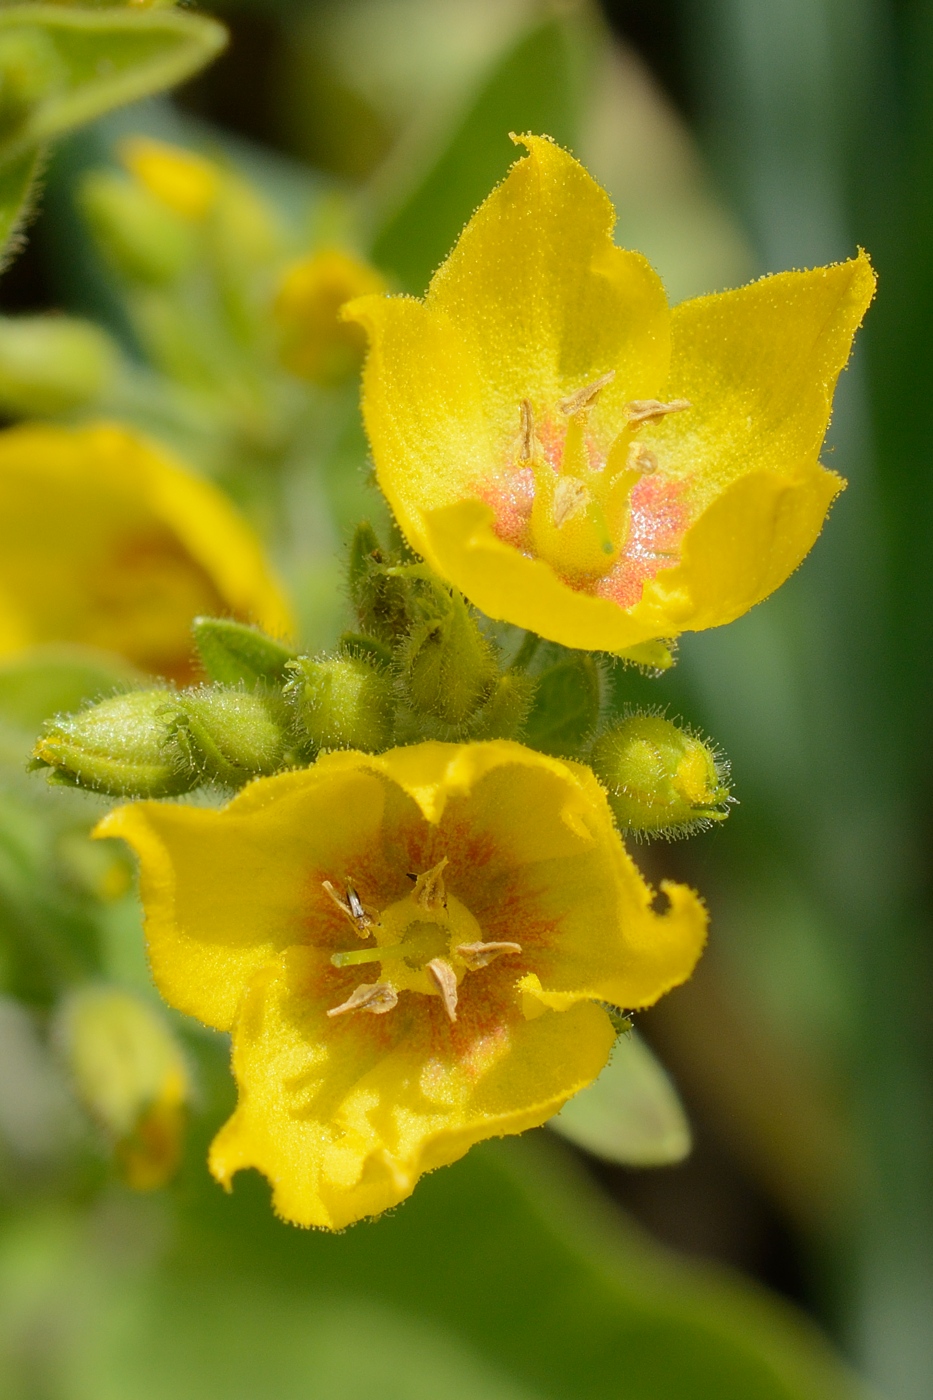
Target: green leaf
[
  {"x": 533, "y": 88},
  {"x": 17, "y": 189},
  {"x": 234, "y": 653},
  {"x": 84, "y": 62},
  {"x": 631, "y": 1114},
  {"x": 567, "y": 704}
]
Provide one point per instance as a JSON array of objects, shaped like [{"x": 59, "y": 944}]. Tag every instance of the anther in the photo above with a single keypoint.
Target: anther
[
  {"x": 527, "y": 449},
  {"x": 585, "y": 397},
  {"x": 445, "y": 979},
  {"x": 477, "y": 955},
  {"x": 570, "y": 498},
  {"x": 652, "y": 410},
  {"x": 640, "y": 458},
  {"x": 429, "y": 889},
  {"x": 354, "y": 908},
  {"x": 376, "y": 997}
]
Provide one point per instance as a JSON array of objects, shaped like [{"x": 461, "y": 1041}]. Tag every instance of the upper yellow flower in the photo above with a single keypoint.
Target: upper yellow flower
[
  {"x": 582, "y": 460},
  {"x": 410, "y": 950},
  {"x": 106, "y": 540}
]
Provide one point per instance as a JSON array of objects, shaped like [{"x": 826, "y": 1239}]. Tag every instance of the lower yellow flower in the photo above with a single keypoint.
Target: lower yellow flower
[
  {"x": 106, "y": 540},
  {"x": 410, "y": 950}
]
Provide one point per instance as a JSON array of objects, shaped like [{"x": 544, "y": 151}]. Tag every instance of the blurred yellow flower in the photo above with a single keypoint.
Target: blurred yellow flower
[
  {"x": 410, "y": 950},
  {"x": 182, "y": 180},
  {"x": 582, "y": 460},
  {"x": 105, "y": 540},
  {"x": 316, "y": 343}
]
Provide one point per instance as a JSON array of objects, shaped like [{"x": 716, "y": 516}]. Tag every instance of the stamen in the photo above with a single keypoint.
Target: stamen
[
  {"x": 356, "y": 911},
  {"x": 652, "y": 410},
  {"x": 640, "y": 458},
  {"x": 445, "y": 979},
  {"x": 585, "y": 397},
  {"x": 527, "y": 450},
  {"x": 429, "y": 889},
  {"x": 376, "y": 997},
  {"x": 477, "y": 955},
  {"x": 570, "y": 498}
]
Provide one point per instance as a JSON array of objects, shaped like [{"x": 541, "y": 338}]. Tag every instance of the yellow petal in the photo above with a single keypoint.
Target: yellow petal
[
  {"x": 225, "y": 891},
  {"x": 343, "y": 1115},
  {"x": 758, "y": 366},
  {"x": 106, "y": 540}
]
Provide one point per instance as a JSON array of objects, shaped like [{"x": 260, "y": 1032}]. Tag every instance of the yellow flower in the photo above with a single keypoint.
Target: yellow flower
[
  {"x": 410, "y": 950},
  {"x": 316, "y": 343},
  {"x": 180, "y": 179},
  {"x": 582, "y": 460},
  {"x": 105, "y": 540}
]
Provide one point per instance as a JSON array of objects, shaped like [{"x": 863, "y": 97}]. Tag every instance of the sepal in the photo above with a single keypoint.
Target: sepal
[{"x": 234, "y": 653}]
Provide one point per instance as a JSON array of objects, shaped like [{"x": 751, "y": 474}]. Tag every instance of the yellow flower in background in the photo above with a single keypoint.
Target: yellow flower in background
[
  {"x": 106, "y": 540},
  {"x": 316, "y": 344},
  {"x": 410, "y": 950},
  {"x": 185, "y": 182},
  {"x": 582, "y": 460}
]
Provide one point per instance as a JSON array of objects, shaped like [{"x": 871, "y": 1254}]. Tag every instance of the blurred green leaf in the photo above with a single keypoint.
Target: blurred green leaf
[
  {"x": 535, "y": 87},
  {"x": 502, "y": 1278},
  {"x": 631, "y": 1113}
]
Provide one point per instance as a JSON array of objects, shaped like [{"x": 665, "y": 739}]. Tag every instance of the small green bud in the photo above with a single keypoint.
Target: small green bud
[
  {"x": 342, "y": 703},
  {"x": 234, "y": 735},
  {"x": 661, "y": 780},
  {"x": 52, "y": 364},
  {"x": 145, "y": 239},
  {"x": 130, "y": 1074},
  {"x": 448, "y": 666},
  {"x": 236, "y": 654},
  {"x": 381, "y": 598},
  {"x": 505, "y": 712},
  {"x": 127, "y": 746}
]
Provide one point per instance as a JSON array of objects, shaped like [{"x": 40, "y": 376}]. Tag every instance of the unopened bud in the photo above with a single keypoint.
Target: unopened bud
[
  {"x": 660, "y": 779},
  {"x": 315, "y": 343},
  {"x": 237, "y": 654},
  {"x": 130, "y": 1074},
  {"x": 234, "y": 735},
  {"x": 505, "y": 712},
  {"x": 127, "y": 746},
  {"x": 448, "y": 665},
  {"x": 147, "y": 241},
  {"x": 178, "y": 178},
  {"x": 381, "y": 598},
  {"x": 52, "y": 364},
  {"x": 342, "y": 703}
]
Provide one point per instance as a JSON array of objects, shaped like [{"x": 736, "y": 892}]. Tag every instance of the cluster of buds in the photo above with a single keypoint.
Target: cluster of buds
[{"x": 420, "y": 666}]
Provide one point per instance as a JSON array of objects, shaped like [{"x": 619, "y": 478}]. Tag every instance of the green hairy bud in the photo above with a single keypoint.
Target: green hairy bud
[
  {"x": 52, "y": 364},
  {"x": 233, "y": 735},
  {"x": 342, "y": 703},
  {"x": 661, "y": 780},
  {"x": 448, "y": 666},
  {"x": 127, "y": 746},
  {"x": 505, "y": 712}
]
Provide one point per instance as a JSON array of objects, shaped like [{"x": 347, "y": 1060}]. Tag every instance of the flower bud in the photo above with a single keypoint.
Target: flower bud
[
  {"x": 448, "y": 665},
  {"x": 237, "y": 654},
  {"x": 505, "y": 712},
  {"x": 234, "y": 735},
  {"x": 315, "y": 343},
  {"x": 342, "y": 703},
  {"x": 127, "y": 746},
  {"x": 180, "y": 179},
  {"x": 52, "y": 364},
  {"x": 129, "y": 1073},
  {"x": 147, "y": 241},
  {"x": 381, "y": 598},
  {"x": 660, "y": 779}
]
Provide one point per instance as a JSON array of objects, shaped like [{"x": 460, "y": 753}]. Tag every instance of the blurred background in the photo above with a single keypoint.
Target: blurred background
[{"x": 736, "y": 138}]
